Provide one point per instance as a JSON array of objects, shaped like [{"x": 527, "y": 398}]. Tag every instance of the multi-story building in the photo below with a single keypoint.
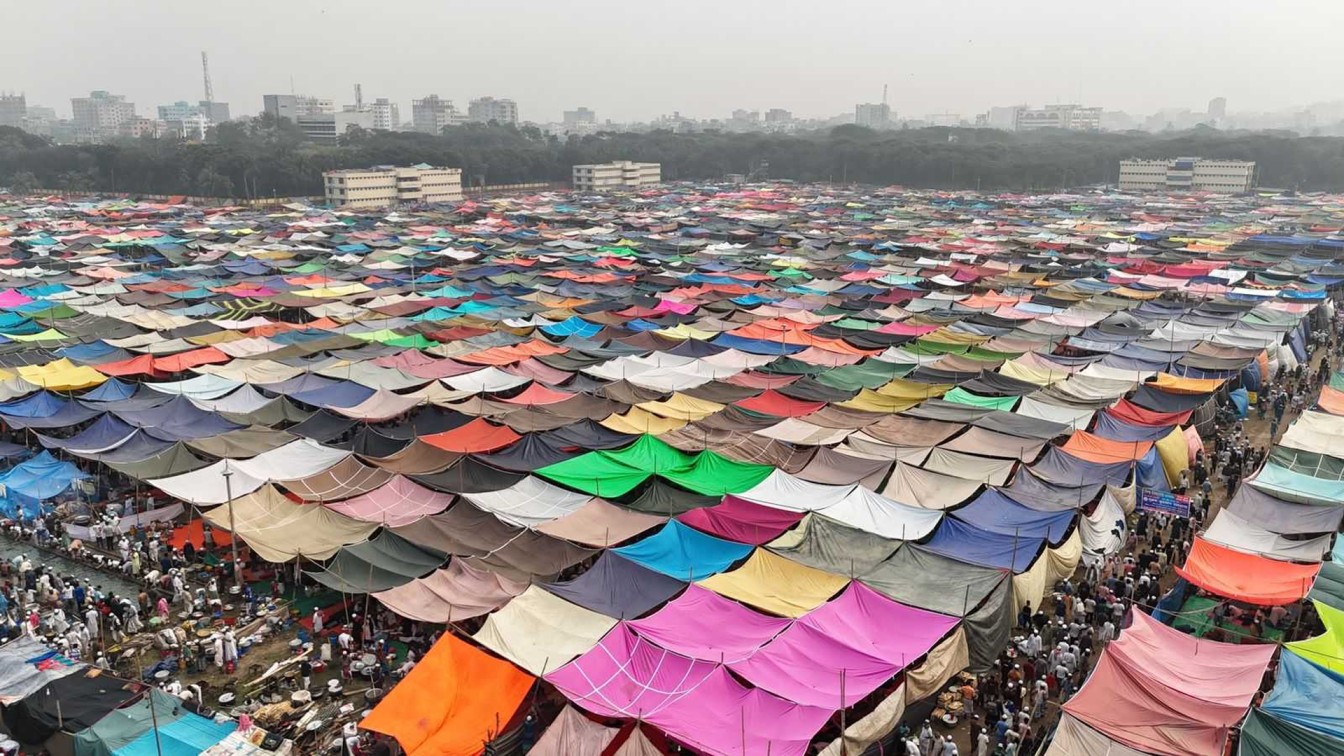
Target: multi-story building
[
  {"x": 778, "y": 116},
  {"x": 328, "y": 127},
  {"x": 874, "y": 115},
  {"x": 487, "y": 109},
  {"x": 294, "y": 107},
  {"x": 384, "y": 186},
  {"x": 620, "y": 174},
  {"x": 579, "y": 117},
  {"x": 13, "y": 110},
  {"x": 39, "y": 120},
  {"x": 1187, "y": 174},
  {"x": 1067, "y": 117},
  {"x": 431, "y": 114},
  {"x": 386, "y": 114},
  {"x": 100, "y": 115},
  {"x": 140, "y": 126},
  {"x": 178, "y": 111}
]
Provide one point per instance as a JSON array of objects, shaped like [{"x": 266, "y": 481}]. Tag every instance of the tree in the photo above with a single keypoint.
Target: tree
[{"x": 23, "y": 182}]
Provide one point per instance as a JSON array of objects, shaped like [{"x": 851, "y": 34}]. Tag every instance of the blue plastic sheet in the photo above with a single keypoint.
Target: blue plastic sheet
[
  {"x": 957, "y": 540},
  {"x": 1308, "y": 695},
  {"x": 684, "y": 553},
  {"x": 993, "y": 512}
]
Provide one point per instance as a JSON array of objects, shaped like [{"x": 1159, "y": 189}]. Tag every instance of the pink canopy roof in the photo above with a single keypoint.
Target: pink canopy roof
[
  {"x": 1156, "y": 690},
  {"x": 704, "y": 625},
  {"x": 694, "y": 701},
  {"x": 399, "y": 501},
  {"x": 741, "y": 520},
  {"x": 852, "y": 645}
]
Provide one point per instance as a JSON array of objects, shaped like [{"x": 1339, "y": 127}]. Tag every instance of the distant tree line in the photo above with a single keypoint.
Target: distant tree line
[{"x": 264, "y": 157}]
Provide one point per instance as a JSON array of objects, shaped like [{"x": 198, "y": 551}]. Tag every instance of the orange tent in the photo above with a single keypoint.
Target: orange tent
[
  {"x": 1331, "y": 400},
  {"x": 1247, "y": 577},
  {"x": 453, "y": 702},
  {"x": 1175, "y": 384},
  {"x": 1094, "y": 448}
]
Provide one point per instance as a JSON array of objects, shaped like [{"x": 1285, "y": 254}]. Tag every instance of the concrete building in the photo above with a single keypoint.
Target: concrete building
[
  {"x": 39, "y": 120},
  {"x": 384, "y": 186},
  {"x": 328, "y": 127},
  {"x": 778, "y": 116},
  {"x": 294, "y": 107},
  {"x": 1187, "y": 174},
  {"x": 100, "y": 115},
  {"x": 874, "y": 115},
  {"x": 578, "y": 118},
  {"x": 386, "y": 114},
  {"x": 13, "y": 110},
  {"x": 430, "y": 114},
  {"x": 1218, "y": 110},
  {"x": 487, "y": 109},
  {"x": 620, "y": 174},
  {"x": 140, "y": 126},
  {"x": 1067, "y": 117}
]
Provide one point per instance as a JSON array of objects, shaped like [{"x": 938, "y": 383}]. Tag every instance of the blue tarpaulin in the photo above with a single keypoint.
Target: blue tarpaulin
[
  {"x": 1241, "y": 400},
  {"x": 27, "y": 484},
  {"x": 1149, "y": 472},
  {"x": 957, "y": 540},
  {"x": 992, "y": 511},
  {"x": 684, "y": 553},
  {"x": 188, "y": 736},
  {"x": 1308, "y": 695}
]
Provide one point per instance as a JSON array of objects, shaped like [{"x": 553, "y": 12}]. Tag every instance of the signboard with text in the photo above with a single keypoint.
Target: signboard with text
[{"x": 1165, "y": 502}]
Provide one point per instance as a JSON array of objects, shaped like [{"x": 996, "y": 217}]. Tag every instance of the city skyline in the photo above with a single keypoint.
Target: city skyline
[{"x": 746, "y": 58}]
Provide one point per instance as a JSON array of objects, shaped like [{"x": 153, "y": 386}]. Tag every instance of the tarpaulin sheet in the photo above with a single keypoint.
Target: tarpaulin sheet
[
  {"x": 1282, "y": 516},
  {"x": 26, "y": 665},
  {"x": 741, "y": 520},
  {"x": 399, "y": 501},
  {"x": 484, "y": 541},
  {"x": 1315, "y": 432},
  {"x": 967, "y": 543},
  {"x": 777, "y": 585},
  {"x": 994, "y": 512},
  {"x": 600, "y": 524},
  {"x": 917, "y": 577},
  {"x": 189, "y": 735},
  {"x": 1326, "y": 649},
  {"x": 1094, "y": 448},
  {"x": 1073, "y": 738},
  {"x": 122, "y": 726},
  {"x": 474, "y": 437},
  {"x": 987, "y": 443},
  {"x": 835, "y": 656},
  {"x": 617, "y": 587},
  {"x": 1187, "y": 705},
  {"x": 1234, "y": 531},
  {"x": 875, "y": 725},
  {"x": 1298, "y": 487},
  {"x": 684, "y": 553},
  {"x": 701, "y": 624},
  {"x": 1263, "y": 734},
  {"x": 278, "y": 530},
  {"x": 916, "y": 486},
  {"x": 540, "y": 632},
  {"x": 825, "y": 544},
  {"x": 1246, "y": 577},
  {"x": 71, "y": 704},
  {"x": 1329, "y": 586},
  {"x": 987, "y": 470},
  {"x": 694, "y": 701},
  {"x": 573, "y": 733},
  {"x": 382, "y": 562},
  {"x": 1307, "y": 695},
  {"x": 438, "y": 709},
  {"x": 529, "y": 502},
  {"x": 452, "y": 594}
]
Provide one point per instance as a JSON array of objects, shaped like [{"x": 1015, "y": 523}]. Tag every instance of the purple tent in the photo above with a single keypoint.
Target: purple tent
[
  {"x": 741, "y": 520},
  {"x": 704, "y": 625}
]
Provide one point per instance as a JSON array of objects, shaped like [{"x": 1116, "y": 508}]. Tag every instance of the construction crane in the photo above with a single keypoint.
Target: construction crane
[{"x": 205, "y": 72}]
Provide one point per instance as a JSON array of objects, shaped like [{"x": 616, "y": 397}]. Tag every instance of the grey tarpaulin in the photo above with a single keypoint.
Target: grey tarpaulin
[{"x": 923, "y": 579}]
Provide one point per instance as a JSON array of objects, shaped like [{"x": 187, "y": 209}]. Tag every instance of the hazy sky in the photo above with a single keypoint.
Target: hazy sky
[{"x": 635, "y": 59}]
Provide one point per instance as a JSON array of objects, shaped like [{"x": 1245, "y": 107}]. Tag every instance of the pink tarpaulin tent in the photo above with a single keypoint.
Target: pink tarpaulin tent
[
  {"x": 1159, "y": 691},
  {"x": 399, "y": 501},
  {"x": 702, "y": 624},
  {"x": 840, "y": 652},
  {"x": 694, "y": 701}
]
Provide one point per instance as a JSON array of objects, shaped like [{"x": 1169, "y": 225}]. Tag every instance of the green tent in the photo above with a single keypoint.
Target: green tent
[{"x": 1264, "y": 734}]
